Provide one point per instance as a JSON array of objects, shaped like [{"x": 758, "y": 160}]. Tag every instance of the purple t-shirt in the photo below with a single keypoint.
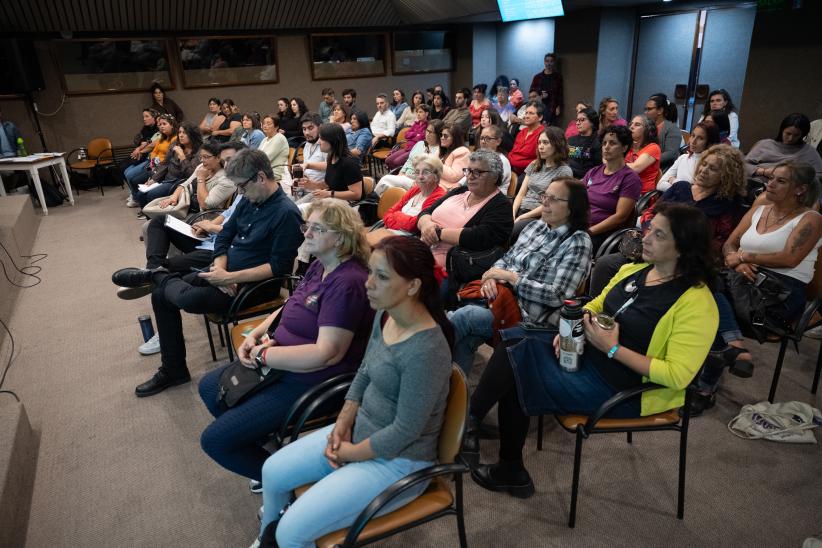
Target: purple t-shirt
[
  {"x": 337, "y": 301},
  {"x": 604, "y": 191}
]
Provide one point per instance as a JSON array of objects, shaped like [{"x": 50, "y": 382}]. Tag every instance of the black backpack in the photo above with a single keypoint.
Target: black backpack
[{"x": 53, "y": 195}]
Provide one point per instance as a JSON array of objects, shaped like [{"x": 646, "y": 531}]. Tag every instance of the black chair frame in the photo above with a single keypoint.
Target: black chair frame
[
  {"x": 107, "y": 155},
  {"x": 796, "y": 335},
  {"x": 584, "y": 431}
]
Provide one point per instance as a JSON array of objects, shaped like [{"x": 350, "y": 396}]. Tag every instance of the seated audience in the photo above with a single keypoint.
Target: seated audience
[
  {"x": 275, "y": 147},
  {"x": 251, "y": 135},
  {"x": 572, "y": 129},
  {"x": 543, "y": 268},
  {"x": 340, "y": 116},
  {"x": 454, "y": 155},
  {"x": 516, "y": 122},
  {"x": 788, "y": 145},
  {"x": 478, "y": 104},
  {"x": 398, "y": 105},
  {"x": 179, "y": 164},
  {"x": 515, "y": 94},
  {"x": 613, "y": 187},
  {"x": 207, "y": 124},
  {"x": 664, "y": 114},
  {"x": 390, "y": 423},
  {"x": 322, "y": 331},
  {"x": 723, "y": 123},
  {"x": 326, "y": 105},
  {"x": 401, "y": 218},
  {"x": 501, "y": 81},
  {"x": 413, "y": 135},
  {"x": 143, "y": 144},
  {"x": 384, "y": 123},
  {"x": 343, "y": 177},
  {"x": 704, "y": 136},
  {"x": 228, "y": 122},
  {"x": 643, "y": 156},
  {"x": 438, "y": 107},
  {"x": 584, "y": 148},
  {"x": 259, "y": 241},
  {"x": 491, "y": 117},
  {"x": 476, "y": 216},
  {"x": 290, "y": 119},
  {"x": 502, "y": 105},
  {"x": 550, "y": 164},
  {"x": 405, "y": 178},
  {"x": 360, "y": 137},
  {"x": 350, "y": 99},
  {"x": 459, "y": 114},
  {"x": 491, "y": 138},
  {"x": 661, "y": 309},
  {"x": 525, "y": 143},
  {"x": 138, "y": 174},
  {"x": 719, "y": 100},
  {"x": 164, "y": 104},
  {"x": 409, "y": 115},
  {"x": 609, "y": 115},
  {"x": 314, "y": 159}
]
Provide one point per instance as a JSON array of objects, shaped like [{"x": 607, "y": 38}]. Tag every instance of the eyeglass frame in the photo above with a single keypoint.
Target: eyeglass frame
[
  {"x": 241, "y": 186},
  {"x": 315, "y": 228},
  {"x": 467, "y": 171},
  {"x": 551, "y": 198}
]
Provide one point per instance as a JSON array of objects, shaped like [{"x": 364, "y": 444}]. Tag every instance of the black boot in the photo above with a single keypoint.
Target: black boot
[
  {"x": 470, "y": 442},
  {"x": 506, "y": 476},
  {"x": 269, "y": 537}
]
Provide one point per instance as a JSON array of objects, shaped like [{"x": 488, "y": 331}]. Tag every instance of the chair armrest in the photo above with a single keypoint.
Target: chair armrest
[
  {"x": 240, "y": 300},
  {"x": 375, "y": 226},
  {"x": 201, "y": 215},
  {"x": 610, "y": 240},
  {"x": 393, "y": 491},
  {"x": 642, "y": 203},
  {"x": 804, "y": 320},
  {"x": 299, "y": 406},
  {"x": 613, "y": 401},
  {"x": 68, "y": 156},
  {"x": 340, "y": 389},
  {"x": 103, "y": 156}
]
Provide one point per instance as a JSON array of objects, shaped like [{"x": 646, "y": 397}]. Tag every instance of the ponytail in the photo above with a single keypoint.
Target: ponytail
[{"x": 669, "y": 110}]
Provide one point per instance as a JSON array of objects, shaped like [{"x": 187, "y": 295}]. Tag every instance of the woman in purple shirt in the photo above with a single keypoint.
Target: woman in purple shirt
[
  {"x": 613, "y": 187},
  {"x": 322, "y": 332}
]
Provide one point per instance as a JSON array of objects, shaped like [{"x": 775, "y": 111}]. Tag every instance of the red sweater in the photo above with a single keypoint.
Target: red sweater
[
  {"x": 394, "y": 218},
  {"x": 525, "y": 149}
]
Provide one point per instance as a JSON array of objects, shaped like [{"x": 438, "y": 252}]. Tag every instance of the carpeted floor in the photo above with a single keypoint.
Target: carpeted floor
[{"x": 115, "y": 470}]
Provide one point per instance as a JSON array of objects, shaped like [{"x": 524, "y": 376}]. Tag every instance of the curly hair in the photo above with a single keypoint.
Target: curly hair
[
  {"x": 649, "y": 135},
  {"x": 692, "y": 238},
  {"x": 343, "y": 219},
  {"x": 731, "y": 172}
]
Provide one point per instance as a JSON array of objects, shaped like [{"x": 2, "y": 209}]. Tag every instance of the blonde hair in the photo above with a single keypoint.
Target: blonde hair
[
  {"x": 345, "y": 220},
  {"x": 432, "y": 161},
  {"x": 731, "y": 172}
]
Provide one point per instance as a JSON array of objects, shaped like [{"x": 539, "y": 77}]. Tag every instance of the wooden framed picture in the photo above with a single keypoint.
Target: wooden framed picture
[
  {"x": 422, "y": 51},
  {"x": 347, "y": 55},
  {"x": 112, "y": 65},
  {"x": 228, "y": 61}
]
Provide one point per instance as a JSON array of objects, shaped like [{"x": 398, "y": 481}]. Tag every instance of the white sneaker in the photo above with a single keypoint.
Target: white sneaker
[
  {"x": 815, "y": 333},
  {"x": 255, "y": 486},
  {"x": 131, "y": 203},
  {"x": 255, "y": 544},
  {"x": 151, "y": 346}
]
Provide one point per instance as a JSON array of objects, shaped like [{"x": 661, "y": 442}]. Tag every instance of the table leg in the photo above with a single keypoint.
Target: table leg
[
  {"x": 38, "y": 186},
  {"x": 66, "y": 181}
]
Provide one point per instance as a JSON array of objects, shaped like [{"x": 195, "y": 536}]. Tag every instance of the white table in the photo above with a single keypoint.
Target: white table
[{"x": 32, "y": 164}]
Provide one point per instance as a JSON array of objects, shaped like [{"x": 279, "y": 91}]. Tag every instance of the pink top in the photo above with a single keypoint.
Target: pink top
[
  {"x": 452, "y": 167},
  {"x": 454, "y": 213},
  {"x": 476, "y": 112},
  {"x": 572, "y": 129},
  {"x": 516, "y": 99},
  {"x": 415, "y": 133}
]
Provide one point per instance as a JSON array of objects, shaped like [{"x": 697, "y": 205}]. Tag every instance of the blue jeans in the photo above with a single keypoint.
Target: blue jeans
[
  {"x": 158, "y": 190},
  {"x": 336, "y": 499},
  {"x": 473, "y": 325},
  {"x": 235, "y": 439},
  {"x": 136, "y": 174}
]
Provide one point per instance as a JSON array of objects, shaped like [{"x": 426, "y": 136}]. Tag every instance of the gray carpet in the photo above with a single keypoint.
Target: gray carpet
[{"x": 115, "y": 470}]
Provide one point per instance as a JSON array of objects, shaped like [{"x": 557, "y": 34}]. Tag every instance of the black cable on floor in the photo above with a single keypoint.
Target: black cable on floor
[
  {"x": 8, "y": 365},
  {"x": 33, "y": 270}
]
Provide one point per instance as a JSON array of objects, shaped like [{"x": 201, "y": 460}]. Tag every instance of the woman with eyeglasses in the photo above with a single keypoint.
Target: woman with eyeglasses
[
  {"x": 475, "y": 217},
  {"x": 543, "y": 268},
  {"x": 584, "y": 148},
  {"x": 663, "y": 114},
  {"x": 551, "y": 163},
  {"x": 647, "y": 325},
  {"x": 454, "y": 155},
  {"x": 413, "y": 135},
  {"x": 320, "y": 332},
  {"x": 178, "y": 165},
  {"x": 401, "y": 218},
  {"x": 405, "y": 177},
  {"x": 208, "y": 185}
]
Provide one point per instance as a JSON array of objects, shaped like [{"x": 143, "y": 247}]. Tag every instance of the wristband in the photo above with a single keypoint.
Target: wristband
[
  {"x": 332, "y": 193},
  {"x": 260, "y": 358},
  {"x": 612, "y": 351}
]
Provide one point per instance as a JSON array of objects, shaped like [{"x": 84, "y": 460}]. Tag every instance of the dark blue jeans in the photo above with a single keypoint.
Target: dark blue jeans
[
  {"x": 235, "y": 439},
  {"x": 159, "y": 190}
]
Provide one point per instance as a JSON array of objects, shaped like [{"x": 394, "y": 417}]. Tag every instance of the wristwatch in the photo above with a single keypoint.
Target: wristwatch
[
  {"x": 259, "y": 359},
  {"x": 438, "y": 230}
]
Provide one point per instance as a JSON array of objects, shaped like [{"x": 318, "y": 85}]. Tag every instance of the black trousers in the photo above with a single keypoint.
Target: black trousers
[
  {"x": 158, "y": 241},
  {"x": 497, "y": 385}
]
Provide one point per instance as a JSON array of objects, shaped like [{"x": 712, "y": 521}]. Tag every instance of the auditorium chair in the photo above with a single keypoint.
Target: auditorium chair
[{"x": 99, "y": 154}]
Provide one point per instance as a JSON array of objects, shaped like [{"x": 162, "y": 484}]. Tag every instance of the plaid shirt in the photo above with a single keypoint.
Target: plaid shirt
[{"x": 550, "y": 265}]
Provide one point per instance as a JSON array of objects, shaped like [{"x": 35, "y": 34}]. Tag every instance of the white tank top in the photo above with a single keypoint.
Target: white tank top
[{"x": 773, "y": 242}]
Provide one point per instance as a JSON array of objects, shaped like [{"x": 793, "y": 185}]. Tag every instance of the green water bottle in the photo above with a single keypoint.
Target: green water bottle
[{"x": 21, "y": 147}]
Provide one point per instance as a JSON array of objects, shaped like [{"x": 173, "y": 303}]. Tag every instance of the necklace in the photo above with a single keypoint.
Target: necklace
[
  {"x": 659, "y": 280},
  {"x": 778, "y": 221}
]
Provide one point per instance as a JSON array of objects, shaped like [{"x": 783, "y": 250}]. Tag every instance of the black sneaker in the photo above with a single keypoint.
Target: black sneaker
[
  {"x": 491, "y": 476},
  {"x": 132, "y": 277},
  {"x": 159, "y": 382},
  {"x": 701, "y": 402}
]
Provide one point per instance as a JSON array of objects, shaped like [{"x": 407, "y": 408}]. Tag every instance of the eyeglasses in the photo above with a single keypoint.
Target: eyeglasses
[
  {"x": 474, "y": 173},
  {"x": 244, "y": 184},
  {"x": 424, "y": 172},
  {"x": 582, "y": 120},
  {"x": 315, "y": 228},
  {"x": 204, "y": 157},
  {"x": 488, "y": 139},
  {"x": 550, "y": 198}
]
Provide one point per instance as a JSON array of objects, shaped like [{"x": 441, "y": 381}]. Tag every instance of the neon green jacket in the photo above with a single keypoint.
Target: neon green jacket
[{"x": 679, "y": 344}]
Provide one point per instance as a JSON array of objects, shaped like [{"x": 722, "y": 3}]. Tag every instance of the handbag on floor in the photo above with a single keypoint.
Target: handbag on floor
[{"x": 788, "y": 422}]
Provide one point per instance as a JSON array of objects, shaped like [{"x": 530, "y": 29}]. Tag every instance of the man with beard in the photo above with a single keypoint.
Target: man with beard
[{"x": 459, "y": 113}]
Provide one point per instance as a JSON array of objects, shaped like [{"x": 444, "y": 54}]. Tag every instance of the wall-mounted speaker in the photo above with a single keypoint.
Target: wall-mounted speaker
[{"x": 19, "y": 67}]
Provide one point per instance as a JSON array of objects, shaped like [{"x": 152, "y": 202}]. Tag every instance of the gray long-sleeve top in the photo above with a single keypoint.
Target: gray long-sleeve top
[{"x": 402, "y": 391}]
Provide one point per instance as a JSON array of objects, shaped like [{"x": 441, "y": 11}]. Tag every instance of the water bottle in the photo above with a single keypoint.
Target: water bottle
[
  {"x": 21, "y": 147},
  {"x": 82, "y": 155},
  {"x": 571, "y": 335},
  {"x": 146, "y": 328}
]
